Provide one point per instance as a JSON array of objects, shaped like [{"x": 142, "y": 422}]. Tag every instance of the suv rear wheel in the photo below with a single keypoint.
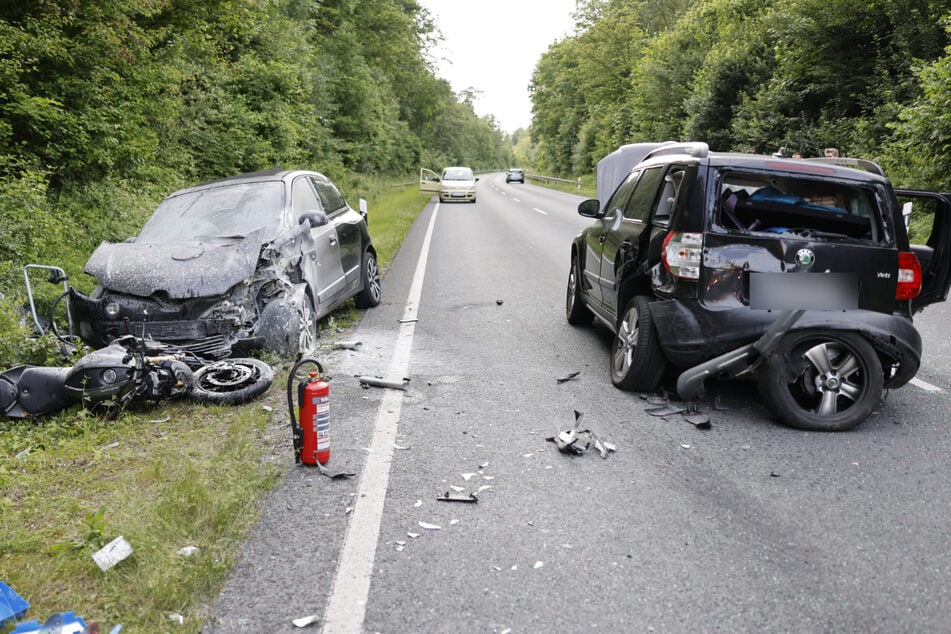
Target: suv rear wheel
[
  {"x": 575, "y": 310},
  {"x": 822, "y": 380},
  {"x": 637, "y": 362}
]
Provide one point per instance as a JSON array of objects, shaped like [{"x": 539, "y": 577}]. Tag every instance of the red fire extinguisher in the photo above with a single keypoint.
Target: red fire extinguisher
[{"x": 312, "y": 435}]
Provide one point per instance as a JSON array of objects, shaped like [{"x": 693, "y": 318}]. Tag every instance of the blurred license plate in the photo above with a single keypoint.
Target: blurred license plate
[{"x": 807, "y": 291}]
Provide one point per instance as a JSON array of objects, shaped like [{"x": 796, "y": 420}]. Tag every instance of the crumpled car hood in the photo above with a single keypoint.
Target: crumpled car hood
[{"x": 183, "y": 269}]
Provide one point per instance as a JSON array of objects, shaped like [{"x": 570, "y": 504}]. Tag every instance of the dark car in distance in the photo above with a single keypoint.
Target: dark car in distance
[
  {"x": 697, "y": 254},
  {"x": 250, "y": 261}
]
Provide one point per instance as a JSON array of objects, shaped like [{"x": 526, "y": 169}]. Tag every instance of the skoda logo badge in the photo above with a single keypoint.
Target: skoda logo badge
[{"x": 805, "y": 258}]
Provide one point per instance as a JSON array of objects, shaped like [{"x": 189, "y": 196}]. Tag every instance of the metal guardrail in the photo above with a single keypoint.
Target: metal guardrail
[{"x": 549, "y": 179}]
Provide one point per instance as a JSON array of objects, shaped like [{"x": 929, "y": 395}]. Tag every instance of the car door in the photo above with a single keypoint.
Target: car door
[
  {"x": 429, "y": 181},
  {"x": 348, "y": 224},
  {"x": 928, "y": 218},
  {"x": 321, "y": 267},
  {"x": 597, "y": 234},
  {"x": 625, "y": 245}
]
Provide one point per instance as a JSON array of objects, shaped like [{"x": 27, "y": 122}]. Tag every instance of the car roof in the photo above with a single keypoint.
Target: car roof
[
  {"x": 249, "y": 177},
  {"x": 699, "y": 152}
]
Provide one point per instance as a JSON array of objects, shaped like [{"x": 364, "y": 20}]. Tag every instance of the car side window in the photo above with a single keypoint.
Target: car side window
[
  {"x": 331, "y": 199},
  {"x": 640, "y": 204},
  {"x": 303, "y": 197},
  {"x": 618, "y": 201}
]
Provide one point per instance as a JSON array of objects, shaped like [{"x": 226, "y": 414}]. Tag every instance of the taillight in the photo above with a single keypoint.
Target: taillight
[
  {"x": 682, "y": 253},
  {"x": 909, "y": 276}
]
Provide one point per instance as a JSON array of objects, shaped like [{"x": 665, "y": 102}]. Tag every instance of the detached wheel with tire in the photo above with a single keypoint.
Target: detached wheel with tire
[
  {"x": 231, "y": 381},
  {"x": 576, "y": 311},
  {"x": 637, "y": 362},
  {"x": 822, "y": 380},
  {"x": 372, "y": 288}
]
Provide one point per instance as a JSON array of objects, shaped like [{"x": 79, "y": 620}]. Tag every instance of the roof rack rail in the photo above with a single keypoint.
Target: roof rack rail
[
  {"x": 695, "y": 149},
  {"x": 844, "y": 161}
]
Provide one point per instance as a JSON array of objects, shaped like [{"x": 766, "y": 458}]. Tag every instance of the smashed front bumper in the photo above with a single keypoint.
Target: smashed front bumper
[{"x": 182, "y": 324}]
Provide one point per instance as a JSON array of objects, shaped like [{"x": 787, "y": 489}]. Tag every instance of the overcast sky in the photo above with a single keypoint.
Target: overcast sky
[{"x": 493, "y": 46}]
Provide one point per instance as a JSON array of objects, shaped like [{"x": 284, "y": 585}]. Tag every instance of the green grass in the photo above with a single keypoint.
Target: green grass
[{"x": 164, "y": 477}]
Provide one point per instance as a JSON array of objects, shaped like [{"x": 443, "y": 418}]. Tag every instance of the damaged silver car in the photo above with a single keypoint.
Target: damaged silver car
[{"x": 246, "y": 262}]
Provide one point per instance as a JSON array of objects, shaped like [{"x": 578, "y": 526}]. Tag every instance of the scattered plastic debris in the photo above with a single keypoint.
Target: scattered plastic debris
[
  {"x": 429, "y": 527},
  {"x": 538, "y": 564},
  {"x": 568, "y": 378},
  {"x": 408, "y": 321},
  {"x": 176, "y": 618},
  {"x": 304, "y": 621},
  {"x": 457, "y": 497},
  {"x": 23, "y": 454},
  {"x": 112, "y": 553},
  {"x": 663, "y": 407},
  {"x": 187, "y": 551},
  {"x": 334, "y": 474},
  {"x": 370, "y": 381},
  {"x": 59, "y": 623},
  {"x": 576, "y": 441},
  {"x": 667, "y": 409},
  {"x": 12, "y": 605},
  {"x": 498, "y": 302},
  {"x": 348, "y": 345}
]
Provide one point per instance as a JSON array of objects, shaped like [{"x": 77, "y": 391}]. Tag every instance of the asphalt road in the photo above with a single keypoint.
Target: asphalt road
[{"x": 745, "y": 527}]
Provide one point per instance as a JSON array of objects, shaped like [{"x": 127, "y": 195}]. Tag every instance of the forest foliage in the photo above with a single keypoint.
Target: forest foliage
[
  {"x": 870, "y": 77},
  {"x": 108, "y": 105}
]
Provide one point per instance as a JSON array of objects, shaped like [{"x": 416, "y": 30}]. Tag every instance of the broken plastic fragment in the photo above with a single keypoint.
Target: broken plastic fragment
[
  {"x": 370, "y": 381},
  {"x": 665, "y": 410},
  {"x": 334, "y": 474},
  {"x": 413, "y": 535},
  {"x": 429, "y": 527},
  {"x": 457, "y": 497},
  {"x": 187, "y": 551},
  {"x": 457, "y": 489},
  {"x": 698, "y": 420},
  {"x": 568, "y": 378},
  {"x": 538, "y": 564},
  {"x": 466, "y": 476},
  {"x": 176, "y": 618},
  {"x": 112, "y": 553},
  {"x": 348, "y": 345},
  {"x": 304, "y": 621}
]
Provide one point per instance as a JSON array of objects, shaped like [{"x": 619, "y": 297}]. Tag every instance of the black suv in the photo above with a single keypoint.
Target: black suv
[{"x": 798, "y": 272}]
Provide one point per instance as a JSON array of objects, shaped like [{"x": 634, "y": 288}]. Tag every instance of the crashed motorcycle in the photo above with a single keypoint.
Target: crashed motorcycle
[{"x": 127, "y": 370}]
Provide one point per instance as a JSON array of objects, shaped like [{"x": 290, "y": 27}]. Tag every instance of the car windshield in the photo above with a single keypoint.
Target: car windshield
[
  {"x": 457, "y": 174},
  {"x": 227, "y": 211}
]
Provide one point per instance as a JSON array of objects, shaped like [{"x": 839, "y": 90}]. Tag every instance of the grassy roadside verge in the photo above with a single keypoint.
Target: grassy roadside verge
[{"x": 164, "y": 477}]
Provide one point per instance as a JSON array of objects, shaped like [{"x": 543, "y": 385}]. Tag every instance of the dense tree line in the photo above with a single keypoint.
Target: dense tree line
[
  {"x": 106, "y": 105},
  {"x": 871, "y": 77}
]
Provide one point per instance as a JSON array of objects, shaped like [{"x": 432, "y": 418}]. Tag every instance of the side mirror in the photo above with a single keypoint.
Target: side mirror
[
  {"x": 363, "y": 208},
  {"x": 590, "y": 208},
  {"x": 314, "y": 217}
]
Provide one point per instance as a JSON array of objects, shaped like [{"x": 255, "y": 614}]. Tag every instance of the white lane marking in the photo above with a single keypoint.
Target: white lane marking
[
  {"x": 346, "y": 607},
  {"x": 927, "y": 387},
  {"x": 544, "y": 213}
]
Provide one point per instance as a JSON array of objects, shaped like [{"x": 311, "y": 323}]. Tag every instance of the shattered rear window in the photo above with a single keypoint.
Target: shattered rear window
[
  {"x": 777, "y": 204},
  {"x": 229, "y": 211}
]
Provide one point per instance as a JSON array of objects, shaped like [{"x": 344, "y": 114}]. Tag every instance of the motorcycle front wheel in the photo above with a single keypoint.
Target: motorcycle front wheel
[{"x": 231, "y": 381}]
